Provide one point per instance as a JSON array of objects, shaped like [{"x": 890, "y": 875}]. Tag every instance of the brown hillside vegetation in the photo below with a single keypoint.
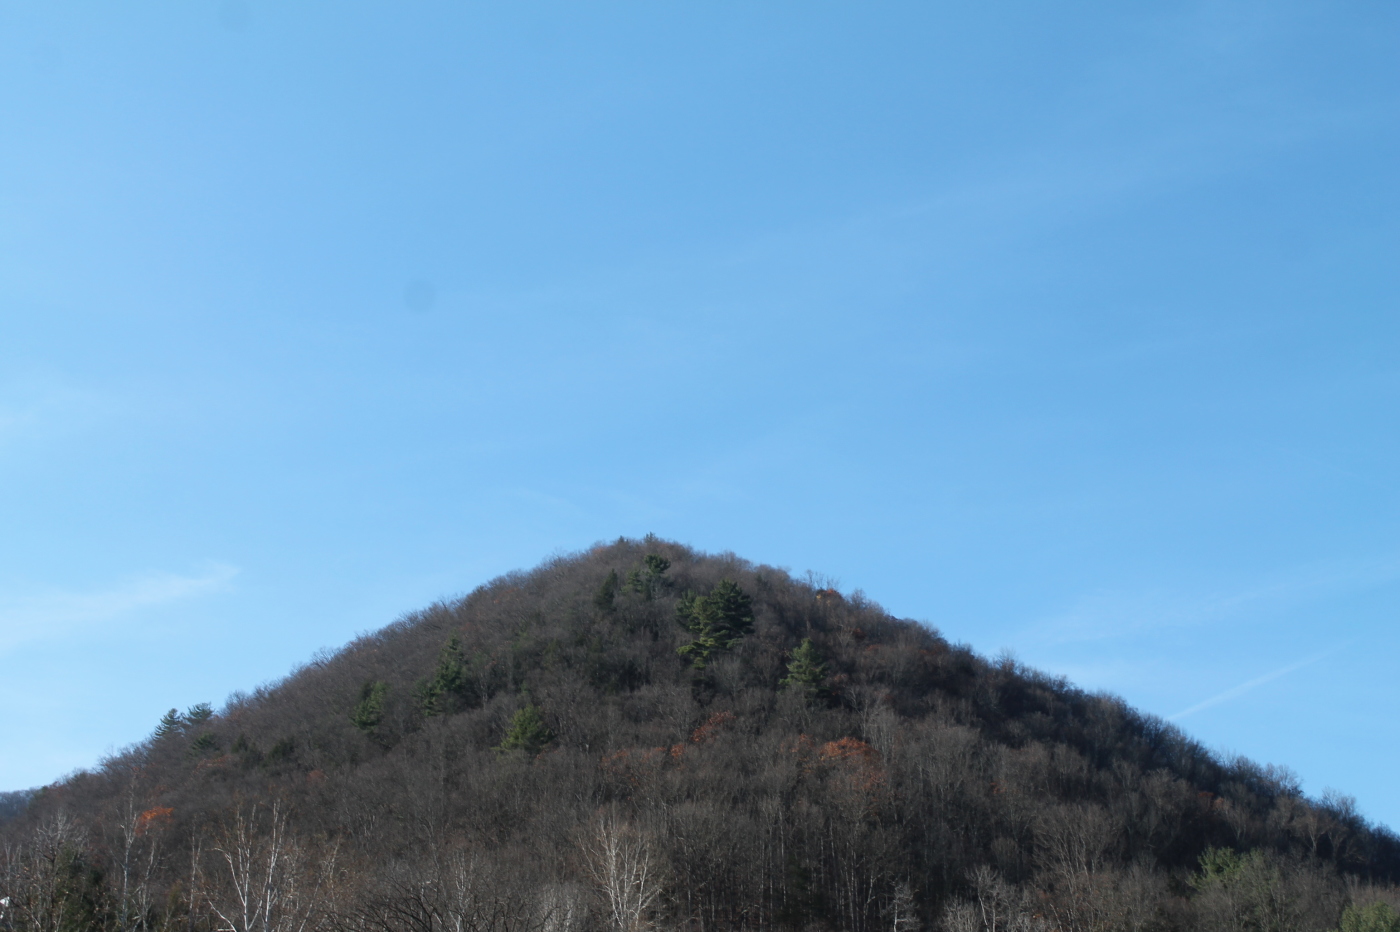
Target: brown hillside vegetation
[{"x": 645, "y": 736}]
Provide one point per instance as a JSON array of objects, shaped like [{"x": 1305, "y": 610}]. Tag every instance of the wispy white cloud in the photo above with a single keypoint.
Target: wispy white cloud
[
  {"x": 40, "y": 405},
  {"x": 1246, "y": 686},
  {"x": 58, "y": 613}
]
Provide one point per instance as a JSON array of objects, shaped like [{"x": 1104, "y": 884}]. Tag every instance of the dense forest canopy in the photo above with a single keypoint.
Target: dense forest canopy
[{"x": 645, "y": 736}]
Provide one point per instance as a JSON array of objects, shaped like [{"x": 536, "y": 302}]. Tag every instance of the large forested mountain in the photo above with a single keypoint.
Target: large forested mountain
[{"x": 645, "y": 736}]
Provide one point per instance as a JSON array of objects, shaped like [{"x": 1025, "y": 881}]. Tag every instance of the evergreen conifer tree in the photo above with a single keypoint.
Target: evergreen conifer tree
[
  {"x": 449, "y": 683},
  {"x": 717, "y": 620},
  {"x": 369, "y": 711},
  {"x": 806, "y": 671},
  {"x": 607, "y": 592},
  {"x": 199, "y": 714},
  {"x": 646, "y": 584},
  {"x": 528, "y": 732},
  {"x": 170, "y": 723}
]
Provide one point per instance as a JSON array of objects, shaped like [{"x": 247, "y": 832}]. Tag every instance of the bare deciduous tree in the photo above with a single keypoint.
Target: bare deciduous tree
[
  {"x": 620, "y": 862},
  {"x": 999, "y": 907},
  {"x": 268, "y": 884}
]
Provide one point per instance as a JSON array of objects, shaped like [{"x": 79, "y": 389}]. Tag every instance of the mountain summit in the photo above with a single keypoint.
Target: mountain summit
[{"x": 645, "y": 736}]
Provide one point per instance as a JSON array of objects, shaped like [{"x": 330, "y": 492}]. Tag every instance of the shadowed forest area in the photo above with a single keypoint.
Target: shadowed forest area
[{"x": 643, "y": 736}]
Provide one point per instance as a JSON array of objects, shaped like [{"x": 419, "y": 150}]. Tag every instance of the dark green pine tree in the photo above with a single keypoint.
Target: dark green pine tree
[
  {"x": 656, "y": 566},
  {"x": 806, "y": 671},
  {"x": 647, "y": 584},
  {"x": 199, "y": 714},
  {"x": 717, "y": 620},
  {"x": 205, "y": 742},
  {"x": 368, "y": 713},
  {"x": 449, "y": 685},
  {"x": 607, "y": 592},
  {"x": 528, "y": 732},
  {"x": 170, "y": 723}
]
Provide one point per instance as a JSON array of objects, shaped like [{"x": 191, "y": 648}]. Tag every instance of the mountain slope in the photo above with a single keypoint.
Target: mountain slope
[{"x": 642, "y": 734}]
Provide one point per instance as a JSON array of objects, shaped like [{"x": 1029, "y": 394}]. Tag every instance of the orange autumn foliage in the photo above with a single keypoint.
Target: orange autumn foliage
[{"x": 154, "y": 819}]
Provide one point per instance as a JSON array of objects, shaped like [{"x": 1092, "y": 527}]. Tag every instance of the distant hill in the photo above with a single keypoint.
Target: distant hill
[{"x": 645, "y": 736}]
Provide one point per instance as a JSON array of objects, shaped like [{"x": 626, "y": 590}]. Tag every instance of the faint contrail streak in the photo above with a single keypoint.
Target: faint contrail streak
[{"x": 1243, "y": 688}]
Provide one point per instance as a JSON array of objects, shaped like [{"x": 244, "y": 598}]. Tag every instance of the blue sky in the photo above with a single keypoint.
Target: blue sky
[{"x": 1069, "y": 329}]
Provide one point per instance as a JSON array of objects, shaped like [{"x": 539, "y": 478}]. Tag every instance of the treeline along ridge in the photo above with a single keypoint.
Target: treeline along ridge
[{"x": 643, "y": 736}]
